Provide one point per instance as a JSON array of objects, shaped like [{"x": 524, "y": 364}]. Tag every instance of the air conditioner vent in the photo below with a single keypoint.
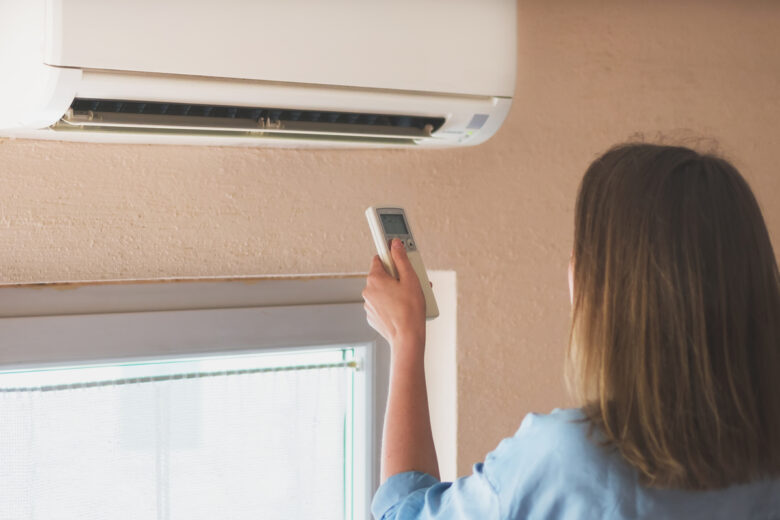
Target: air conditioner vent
[{"x": 271, "y": 117}]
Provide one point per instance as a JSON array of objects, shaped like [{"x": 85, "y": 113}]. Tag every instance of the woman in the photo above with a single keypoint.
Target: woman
[{"x": 674, "y": 354}]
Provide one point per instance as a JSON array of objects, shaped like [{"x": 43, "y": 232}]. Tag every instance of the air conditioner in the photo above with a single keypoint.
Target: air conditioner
[{"x": 398, "y": 73}]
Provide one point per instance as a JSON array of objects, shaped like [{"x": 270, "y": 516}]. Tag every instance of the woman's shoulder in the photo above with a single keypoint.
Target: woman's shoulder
[
  {"x": 562, "y": 431},
  {"x": 551, "y": 456},
  {"x": 559, "y": 430}
]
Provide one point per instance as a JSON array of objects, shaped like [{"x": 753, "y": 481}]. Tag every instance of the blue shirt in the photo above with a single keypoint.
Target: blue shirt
[{"x": 552, "y": 469}]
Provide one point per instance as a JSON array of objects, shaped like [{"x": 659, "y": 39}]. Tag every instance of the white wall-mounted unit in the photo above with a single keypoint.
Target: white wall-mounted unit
[{"x": 420, "y": 73}]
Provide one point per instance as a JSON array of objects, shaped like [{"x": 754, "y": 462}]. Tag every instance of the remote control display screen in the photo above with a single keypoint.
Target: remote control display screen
[{"x": 394, "y": 224}]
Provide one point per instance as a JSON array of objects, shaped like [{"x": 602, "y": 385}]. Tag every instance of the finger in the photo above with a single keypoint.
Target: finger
[
  {"x": 401, "y": 260},
  {"x": 369, "y": 312},
  {"x": 377, "y": 268},
  {"x": 369, "y": 307},
  {"x": 371, "y": 323},
  {"x": 371, "y": 319}
]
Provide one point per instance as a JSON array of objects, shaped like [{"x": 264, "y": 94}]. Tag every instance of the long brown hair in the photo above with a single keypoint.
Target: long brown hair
[{"x": 675, "y": 342}]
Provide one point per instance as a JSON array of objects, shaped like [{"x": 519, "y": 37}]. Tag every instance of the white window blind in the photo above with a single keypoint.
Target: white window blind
[{"x": 248, "y": 437}]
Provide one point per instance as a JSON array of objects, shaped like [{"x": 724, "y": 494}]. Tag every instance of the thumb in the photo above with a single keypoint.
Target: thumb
[{"x": 401, "y": 260}]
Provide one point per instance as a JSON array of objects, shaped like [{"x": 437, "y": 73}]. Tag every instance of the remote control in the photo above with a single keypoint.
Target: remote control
[{"x": 387, "y": 224}]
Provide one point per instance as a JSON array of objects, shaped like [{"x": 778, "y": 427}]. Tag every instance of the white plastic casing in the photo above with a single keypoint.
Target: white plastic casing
[
  {"x": 382, "y": 240},
  {"x": 454, "y": 60}
]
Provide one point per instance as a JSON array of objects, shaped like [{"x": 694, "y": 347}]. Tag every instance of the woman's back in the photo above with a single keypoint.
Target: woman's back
[{"x": 566, "y": 474}]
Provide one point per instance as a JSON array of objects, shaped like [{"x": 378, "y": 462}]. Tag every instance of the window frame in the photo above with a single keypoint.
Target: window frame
[{"x": 158, "y": 321}]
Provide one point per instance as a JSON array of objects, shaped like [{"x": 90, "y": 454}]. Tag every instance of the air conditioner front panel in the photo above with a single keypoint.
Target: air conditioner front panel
[{"x": 457, "y": 46}]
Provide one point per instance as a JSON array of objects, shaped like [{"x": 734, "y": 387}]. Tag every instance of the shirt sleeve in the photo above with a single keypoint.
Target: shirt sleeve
[{"x": 418, "y": 496}]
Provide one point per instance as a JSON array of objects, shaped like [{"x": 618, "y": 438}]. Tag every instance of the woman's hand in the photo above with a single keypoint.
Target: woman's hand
[{"x": 395, "y": 308}]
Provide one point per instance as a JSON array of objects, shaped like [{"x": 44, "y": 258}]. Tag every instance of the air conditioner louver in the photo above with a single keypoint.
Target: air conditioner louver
[{"x": 103, "y": 114}]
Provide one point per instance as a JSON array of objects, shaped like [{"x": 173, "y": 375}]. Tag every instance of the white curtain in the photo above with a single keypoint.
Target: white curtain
[{"x": 267, "y": 445}]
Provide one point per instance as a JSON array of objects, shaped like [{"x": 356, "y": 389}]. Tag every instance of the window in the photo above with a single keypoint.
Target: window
[{"x": 172, "y": 409}]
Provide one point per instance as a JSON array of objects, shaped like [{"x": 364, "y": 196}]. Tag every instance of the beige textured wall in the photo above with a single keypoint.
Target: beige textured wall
[{"x": 591, "y": 73}]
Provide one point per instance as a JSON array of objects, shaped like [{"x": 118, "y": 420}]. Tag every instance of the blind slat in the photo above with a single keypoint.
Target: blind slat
[{"x": 173, "y": 377}]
